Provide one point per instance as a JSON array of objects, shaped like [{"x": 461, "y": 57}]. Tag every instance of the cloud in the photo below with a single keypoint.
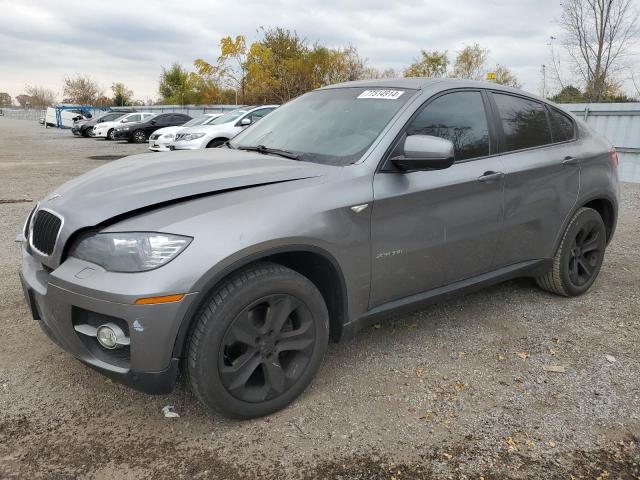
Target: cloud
[{"x": 129, "y": 41}]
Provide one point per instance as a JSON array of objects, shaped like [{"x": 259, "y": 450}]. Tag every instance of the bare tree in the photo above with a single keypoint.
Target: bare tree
[
  {"x": 5, "y": 99},
  {"x": 504, "y": 76},
  {"x": 82, "y": 89},
  {"x": 40, "y": 97},
  {"x": 598, "y": 34}
]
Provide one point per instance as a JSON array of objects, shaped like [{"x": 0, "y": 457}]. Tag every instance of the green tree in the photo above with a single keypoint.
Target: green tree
[
  {"x": 569, "y": 94},
  {"x": 431, "y": 65},
  {"x": 471, "y": 62},
  {"x": 121, "y": 94},
  {"x": 178, "y": 86}
]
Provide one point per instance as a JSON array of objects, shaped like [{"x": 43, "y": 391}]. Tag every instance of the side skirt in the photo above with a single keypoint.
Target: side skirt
[{"x": 531, "y": 268}]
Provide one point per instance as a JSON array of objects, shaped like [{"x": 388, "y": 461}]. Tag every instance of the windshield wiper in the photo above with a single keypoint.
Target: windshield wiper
[{"x": 270, "y": 151}]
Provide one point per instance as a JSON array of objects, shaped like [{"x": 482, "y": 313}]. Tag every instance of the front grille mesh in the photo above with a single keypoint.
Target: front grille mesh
[{"x": 45, "y": 230}]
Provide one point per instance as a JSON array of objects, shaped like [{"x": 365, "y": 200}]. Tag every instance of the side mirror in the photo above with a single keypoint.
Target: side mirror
[
  {"x": 152, "y": 122},
  {"x": 124, "y": 120},
  {"x": 245, "y": 121},
  {"x": 425, "y": 152}
]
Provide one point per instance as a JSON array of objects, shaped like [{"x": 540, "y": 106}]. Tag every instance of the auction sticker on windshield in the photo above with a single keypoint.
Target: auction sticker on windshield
[{"x": 381, "y": 94}]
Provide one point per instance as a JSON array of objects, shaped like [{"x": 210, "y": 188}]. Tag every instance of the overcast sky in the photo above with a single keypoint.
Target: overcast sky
[{"x": 129, "y": 41}]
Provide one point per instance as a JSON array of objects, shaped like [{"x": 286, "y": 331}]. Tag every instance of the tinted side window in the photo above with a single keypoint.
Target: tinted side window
[
  {"x": 561, "y": 126},
  {"x": 459, "y": 117},
  {"x": 524, "y": 122}
]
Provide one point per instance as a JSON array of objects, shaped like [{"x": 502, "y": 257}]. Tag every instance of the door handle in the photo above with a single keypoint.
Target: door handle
[
  {"x": 569, "y": 160},
  {"x": 491, "y": 176}
]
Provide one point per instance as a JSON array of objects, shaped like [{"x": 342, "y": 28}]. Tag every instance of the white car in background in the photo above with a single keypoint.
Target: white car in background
[
  {"x": 220, "y": 130},
  {"x": 160, "y": 140},
  {"x": 107, "y": 129},
  {"x": 67, "y": 117}
]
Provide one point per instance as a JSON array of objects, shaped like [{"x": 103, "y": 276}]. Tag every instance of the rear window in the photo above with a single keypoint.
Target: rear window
[
  {"x": 562, "y": 127},
  {"x": 524, "y": 122}
]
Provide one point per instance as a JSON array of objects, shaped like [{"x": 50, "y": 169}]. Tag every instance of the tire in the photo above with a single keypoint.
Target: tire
[
  {"x": 236, "y": 325},
  {"x": 110, "y": 134},
  {"x": 90, "y": 132},
  {"x": 139, "y": 136},
  {"x": 579, "y": 257},
  {"x": 85, "y": 133},
  {"x": 216, "y": 142}
]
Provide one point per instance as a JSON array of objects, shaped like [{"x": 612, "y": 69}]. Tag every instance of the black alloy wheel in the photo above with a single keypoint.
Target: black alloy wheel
[
  {"x": 257, "y": 341},
  {"x": 579, "y": 257},
  {"x": 267, "y": 348},
  {"x": 139, "y": 136}
]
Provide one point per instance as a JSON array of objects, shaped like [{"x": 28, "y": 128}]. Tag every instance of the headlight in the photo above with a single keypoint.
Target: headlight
[
  {"x": 123, "y": 128},
  {"x": 130, "y": 251},
  {"x": 190, "y": 136}
]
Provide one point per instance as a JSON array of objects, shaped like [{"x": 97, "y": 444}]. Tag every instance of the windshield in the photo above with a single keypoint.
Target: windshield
[
  {"x": 229, "y": 117},
  {"x": 203, "y": 120},
  {"x": 333, "y": 126}
]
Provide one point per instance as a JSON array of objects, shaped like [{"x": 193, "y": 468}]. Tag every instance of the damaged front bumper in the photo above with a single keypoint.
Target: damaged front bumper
[{"x": 146, "y": 364}]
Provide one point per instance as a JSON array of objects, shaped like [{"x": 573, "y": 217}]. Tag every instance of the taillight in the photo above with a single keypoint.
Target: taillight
[{"x": 613, "y": 155}]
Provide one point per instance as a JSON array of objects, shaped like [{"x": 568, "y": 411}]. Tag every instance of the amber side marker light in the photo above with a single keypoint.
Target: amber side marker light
[{"x": 163, "y": 299}]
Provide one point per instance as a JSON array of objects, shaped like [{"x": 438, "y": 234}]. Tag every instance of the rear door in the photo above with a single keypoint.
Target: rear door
[
  {"x": 432, "y": 228},
  {"x": 542, "y": 176}
]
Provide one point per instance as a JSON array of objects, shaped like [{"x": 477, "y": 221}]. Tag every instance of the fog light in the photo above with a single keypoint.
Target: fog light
[{"x": 111, "y": 336}]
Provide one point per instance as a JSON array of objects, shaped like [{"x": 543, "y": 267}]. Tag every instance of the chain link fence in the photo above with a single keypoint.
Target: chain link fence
[{"x": 191, "y": 110}]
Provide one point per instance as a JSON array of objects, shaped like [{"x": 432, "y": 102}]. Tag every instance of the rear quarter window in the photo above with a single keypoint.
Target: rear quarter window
[{"x": 562, "y": 128}]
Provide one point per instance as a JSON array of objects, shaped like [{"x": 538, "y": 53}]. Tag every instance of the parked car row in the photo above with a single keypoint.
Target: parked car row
[{"x": 171, "y": 131}]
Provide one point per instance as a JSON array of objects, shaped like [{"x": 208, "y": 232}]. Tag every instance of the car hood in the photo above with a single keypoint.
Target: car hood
[{"x": 151, "y": 180}]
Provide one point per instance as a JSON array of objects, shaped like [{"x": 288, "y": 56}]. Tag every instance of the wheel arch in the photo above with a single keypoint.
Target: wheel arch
[
  {"x": 217, "y": 139},
  {"x": 315, "y": 263},
  {"x": 603, "y": 203},
  {"x": 607, "y": 212}
]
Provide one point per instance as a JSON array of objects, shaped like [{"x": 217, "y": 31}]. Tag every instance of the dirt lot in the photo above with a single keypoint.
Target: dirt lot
[{"x": 458, "y": 390}]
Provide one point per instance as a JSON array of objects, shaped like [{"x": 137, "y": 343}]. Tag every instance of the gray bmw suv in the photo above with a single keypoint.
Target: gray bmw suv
[{"x": 237, "y": 265}]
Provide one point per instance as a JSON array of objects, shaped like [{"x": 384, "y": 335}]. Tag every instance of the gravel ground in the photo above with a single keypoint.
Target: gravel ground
[{"x": 458, "y": 390}]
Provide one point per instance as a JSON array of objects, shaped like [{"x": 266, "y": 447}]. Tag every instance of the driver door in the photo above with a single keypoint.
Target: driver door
[{"x": 432, "y": 228}]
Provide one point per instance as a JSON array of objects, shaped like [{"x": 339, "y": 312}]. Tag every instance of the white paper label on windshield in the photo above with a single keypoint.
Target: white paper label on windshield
[{"x": 381, "y": 94}]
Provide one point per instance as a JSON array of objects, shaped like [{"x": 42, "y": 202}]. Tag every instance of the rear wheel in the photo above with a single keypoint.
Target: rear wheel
[
  {"x": 579, "y": 257},
  {"x": 259, "y": 341},
  {"x": 139, "y": 136}
]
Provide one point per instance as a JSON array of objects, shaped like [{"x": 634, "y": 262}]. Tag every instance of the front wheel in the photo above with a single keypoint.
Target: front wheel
[
  {"x": 258, "y": 342},
  {"x": 216, "y": 143},
  {"x": 579, "y": 257},
  {"x": 111, "y": 134}
]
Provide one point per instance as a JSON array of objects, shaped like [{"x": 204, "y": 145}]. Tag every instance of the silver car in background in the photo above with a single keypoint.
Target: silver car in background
[{"x": 236, "y": 265}]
